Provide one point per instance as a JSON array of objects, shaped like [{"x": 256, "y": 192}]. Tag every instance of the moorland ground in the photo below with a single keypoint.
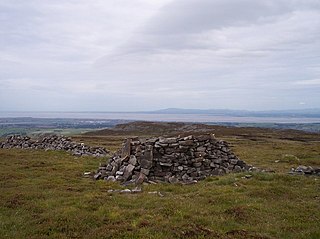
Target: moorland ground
[{"x": 43, "y": 194}]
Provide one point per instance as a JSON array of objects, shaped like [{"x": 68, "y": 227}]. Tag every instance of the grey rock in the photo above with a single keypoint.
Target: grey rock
[
  {"x": 146, "y": 164},
  {"x": 126, "y": 150},
  {"x": 97, "y": 176},
  {"x": 167, "y": 140},
  {"x": 165, "y": 164},
  {"x": 140, "y": 179},
  {"x": 136, "y": 190},
  {"x": 111, "y": 178},
  {"x": 119, "y": 173},
  {"x": 187, "y": 143},
  {"x": 145, "y": 171},
  {"x": 133, "y": 160},
  {"x": 128, "y": 171},
  {"x": 237, "y": 169},
  {"x": 197, "y": 164},
  {"x": 173, "y": 179},
  {"x": 201, "y": 149},
  {"x": 204, "y": 137}
]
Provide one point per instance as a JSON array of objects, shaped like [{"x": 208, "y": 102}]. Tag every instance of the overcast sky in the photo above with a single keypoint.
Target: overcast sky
[{"x": 119, "y": 55}]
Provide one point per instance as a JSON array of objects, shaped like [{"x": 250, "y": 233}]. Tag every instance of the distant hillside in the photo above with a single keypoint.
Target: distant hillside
[{"x": 140, "y": 128}]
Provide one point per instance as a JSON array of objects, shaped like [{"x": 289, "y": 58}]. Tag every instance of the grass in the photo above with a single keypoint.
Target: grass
[{"x": 44, "y": 195}]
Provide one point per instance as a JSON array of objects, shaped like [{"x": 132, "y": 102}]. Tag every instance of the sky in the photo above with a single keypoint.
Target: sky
[{"x": 132, "y": 55}]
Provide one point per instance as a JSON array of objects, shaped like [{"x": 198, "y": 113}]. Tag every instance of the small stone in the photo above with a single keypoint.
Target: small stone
[
  {"x": 152, "y": 182},
  {"x": 165, "y": 164},
  {"x": 186, "y": 143},
  {"x": 173, "y": 179},
  {"x": 140, "y": 179},
  {"x": 125, "y": 153},
  {"x": 109, "y": 167},
  {"x": 136, "y": 190},
  {"x": 133, "y": 160},
  {"x": 111, "y": 178},
  {"x": 197, "y": 165},
  {"x": 160, "y": 194},
  {"x": 201, "y": 149},
  {"x": 119, "y": 173},
  {"x": 167, "y": 140},
  {"x": 190, "y": 137},
  {"x": 154, "y": 192},
  {"x": 212, "y": 165},
  {"x": 146, "y": 164},
  {"x": 190, "y": 182},
  {"x": 234, "y": 161},
  {"x": 97, "y": 176},
  {"x": 203, "y": 137},
  {"x": 128, "y": 171},
  {"x": 185, "y": 177},
  {"x": 119, "y": 178},
  {"x": 145, "y": 171},
  {"x": 237, "y": 169},
  {"x": 125, "y": 191}
]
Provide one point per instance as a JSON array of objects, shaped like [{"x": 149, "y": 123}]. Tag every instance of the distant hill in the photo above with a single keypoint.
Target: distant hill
[{"x": 243, "y": 113}]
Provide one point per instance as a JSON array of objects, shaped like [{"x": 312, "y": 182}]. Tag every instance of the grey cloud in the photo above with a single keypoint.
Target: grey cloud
[
  {"x": 194, "y": 16},
  {"x": 125, "y": 55}
]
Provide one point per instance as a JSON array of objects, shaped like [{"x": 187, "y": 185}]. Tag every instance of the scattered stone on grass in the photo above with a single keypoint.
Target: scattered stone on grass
[
  {"x": 305, "y": 170},
  {"x": 53, "y": 142}
]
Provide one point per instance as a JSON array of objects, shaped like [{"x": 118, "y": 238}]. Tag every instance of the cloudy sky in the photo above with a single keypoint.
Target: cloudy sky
[{"x": 119, "y": 55}]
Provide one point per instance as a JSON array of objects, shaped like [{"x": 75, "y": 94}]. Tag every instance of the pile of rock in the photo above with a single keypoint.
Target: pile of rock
[
  {"x": 53, "y": 142},
  {"x": 177, "y": 159},
  {"x": 305, "y": 170}
]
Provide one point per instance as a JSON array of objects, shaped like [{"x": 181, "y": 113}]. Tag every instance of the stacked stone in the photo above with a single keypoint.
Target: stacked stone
[
  {"x": 177, "y": 159},
  {"x": 53, "y": 142}
]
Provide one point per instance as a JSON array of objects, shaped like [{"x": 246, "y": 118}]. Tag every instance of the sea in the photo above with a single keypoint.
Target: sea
[{"x": 159, "y": 117}]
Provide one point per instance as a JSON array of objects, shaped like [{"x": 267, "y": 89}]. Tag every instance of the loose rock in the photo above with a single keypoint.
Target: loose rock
[{"x": 305, "y": 170}]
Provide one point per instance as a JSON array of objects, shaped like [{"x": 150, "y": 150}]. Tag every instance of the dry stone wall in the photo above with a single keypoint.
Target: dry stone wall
[
  {"x": 53, "y": 142},
  {"x": 176, "y": 159}
]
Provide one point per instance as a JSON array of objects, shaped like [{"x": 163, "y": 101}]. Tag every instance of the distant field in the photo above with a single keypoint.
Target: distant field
[
  {"x": 44, "y": 194},
  {"x": 36, "y": 131}
]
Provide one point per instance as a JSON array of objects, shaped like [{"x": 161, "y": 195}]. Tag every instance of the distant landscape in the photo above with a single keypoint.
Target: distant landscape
[
  {"x": 79, "y": 122},
  {"x": 187, "y": 119}
]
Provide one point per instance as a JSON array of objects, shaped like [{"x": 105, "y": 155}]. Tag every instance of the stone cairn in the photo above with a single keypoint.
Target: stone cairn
[
  {"x": 178, "y": 159},
  {"x": 53, "y": 142}
]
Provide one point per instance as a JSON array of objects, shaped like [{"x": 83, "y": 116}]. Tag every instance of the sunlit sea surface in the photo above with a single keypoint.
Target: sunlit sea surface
[{"x": 159, "y": 117}]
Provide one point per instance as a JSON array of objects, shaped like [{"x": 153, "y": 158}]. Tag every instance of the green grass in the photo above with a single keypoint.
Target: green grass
[
  {"x": 44, "y": 195},
  {"x": 278, "y": 155}
]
